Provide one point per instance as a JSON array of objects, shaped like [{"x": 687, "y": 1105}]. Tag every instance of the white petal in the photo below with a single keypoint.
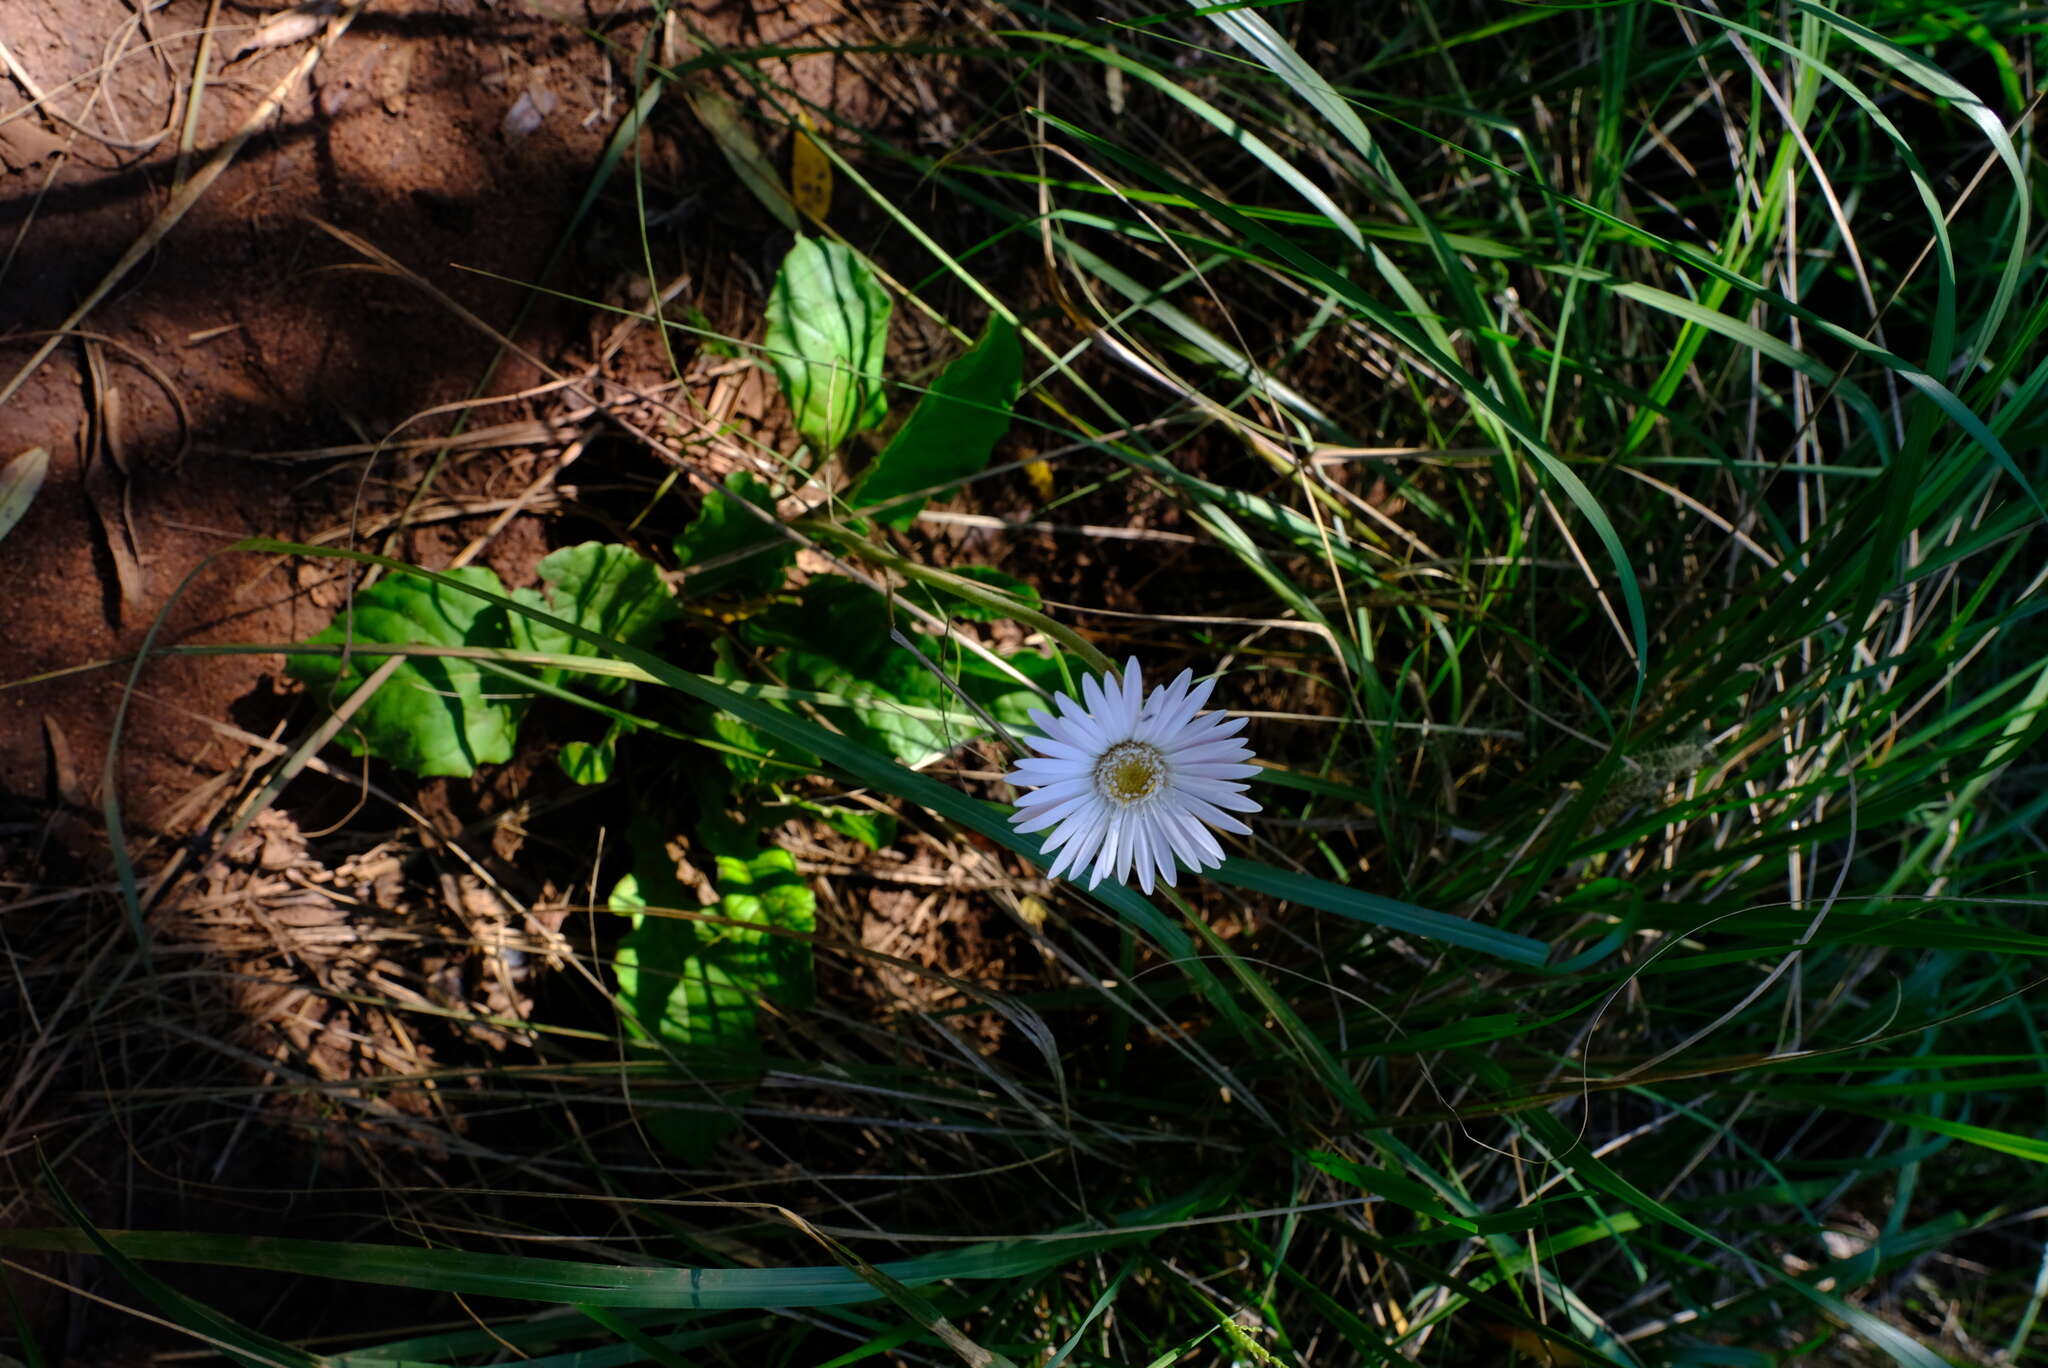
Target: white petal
[
  {"x": 1119, "y": 711},
  {"x": 1063, "y": 792},
  {"x": 1162, "y": 704},
  {"x": 1068, "y": 821},
  {"x": 1027, "y": 821},
  {"x": 1214, "y": 816},
  {"x": 1197, "y": 848},
  {"x": 1142, "y": 849},
  {"x": 1164, "y": 855},
  {"x": 1112, "y": 838},
  {"x": 1135, "y": 846},
  {"x": 1032, "y": 771},
  {"x": 1091, "y": 696},
  {"x": 1087, "y": 730},
  {"x": 1220, "y": 725},
  {"x": 1206, "y": 748},
  {"x": 1213, "y": 770},
  {"x": 1174, "y": 712},
  {"x": 1050, "y": 769},
  {"x": 1173, "y": 695},
  {"x": 1088, "y": 837},
  {"x": 1051, "y": 728},
  {"x": 1060, "y": 750},
  {"x": 1221, "y": 792}
]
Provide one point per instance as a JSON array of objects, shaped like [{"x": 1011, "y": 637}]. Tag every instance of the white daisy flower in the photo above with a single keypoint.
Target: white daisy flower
[{"x": 1129, "y": 784}]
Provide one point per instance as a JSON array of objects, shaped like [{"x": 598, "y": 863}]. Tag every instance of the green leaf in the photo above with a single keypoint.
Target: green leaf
[
  {"x": 878, "y": 694},
  {"x": 688, "y": 1013},
  {"x": 953, "y": 429},
  {"x": 722, "y": 530},
  {"x": 872, "y": 829},
  {"x": 690, "y": 987},
  {"x": 828, "y": 326},
  {"x": 832, "y": 616},
  {"x": 610, "y": 590},
  {"x": 677, "y": 995},
  {"x": 589, "y": 762},
  {"x": 745, "y": 769},
  {"x": 837, "y": 635},
  {"x": 19, "y": 483},
  {"x": 764, "y": 891},
  {"x": 433, "y": 716}
]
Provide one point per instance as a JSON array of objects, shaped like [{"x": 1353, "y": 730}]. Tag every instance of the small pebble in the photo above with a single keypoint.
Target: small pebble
[{"x": 527, "y": 112}]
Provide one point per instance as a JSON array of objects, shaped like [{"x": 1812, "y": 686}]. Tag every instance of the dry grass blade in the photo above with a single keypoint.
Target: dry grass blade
[{"x": 195, "y": 99}]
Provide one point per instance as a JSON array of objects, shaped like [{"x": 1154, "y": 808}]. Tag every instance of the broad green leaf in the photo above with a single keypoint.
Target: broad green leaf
[
  {"x": 677, "y": 994},
  {"x": 764, "y": 891},
  {"x": 950, "y": 434},
  {"x": 589, "y": 762},
  {"x": 840, "y": 657},
  {"x": 754, "y": 557},
  {"x": 688, "y": 1014},
  {"x": 19, "y": 483},
  {"x": 745, "y": 769},
  {"x": 610, "y": 590},
  {"x": 828, "y": 327},
  {"x": 690, "y": 987},
  {"x": 434, "y": 715},
  {"x": 833, "y": 616},
  {"x": 878, "y": 694}
]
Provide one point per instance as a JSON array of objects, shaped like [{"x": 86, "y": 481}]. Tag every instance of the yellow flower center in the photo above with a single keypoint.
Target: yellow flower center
[{"x": 1130, "y": 771}]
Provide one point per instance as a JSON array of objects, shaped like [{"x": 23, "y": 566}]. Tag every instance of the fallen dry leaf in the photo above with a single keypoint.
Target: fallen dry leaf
[
  {"x": 24, "y": 143},
  {"x": 286, "y": 27},
  {"x": 19, "y": 483}
]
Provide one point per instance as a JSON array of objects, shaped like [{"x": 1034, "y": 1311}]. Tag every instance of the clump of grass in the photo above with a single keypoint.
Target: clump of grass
[{"x": 1601, "y": 443}]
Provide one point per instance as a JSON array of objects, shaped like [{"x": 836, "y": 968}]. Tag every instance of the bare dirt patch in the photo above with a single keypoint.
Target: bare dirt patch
[{"x": 249, "y": 329}]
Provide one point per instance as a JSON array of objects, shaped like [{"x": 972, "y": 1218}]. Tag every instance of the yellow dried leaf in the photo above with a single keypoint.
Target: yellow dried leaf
[
  {"x": 287, "y": 27},
  {"x": 1040, "y": 475},
  {"x": 810, "y": 173}
]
